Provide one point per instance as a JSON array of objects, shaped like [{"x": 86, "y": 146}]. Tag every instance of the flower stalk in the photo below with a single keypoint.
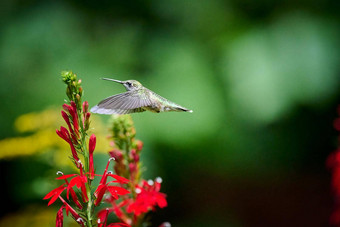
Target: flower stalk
[
  {"x": 77, "y": 118},
  {"x": 145, "y": 195}
]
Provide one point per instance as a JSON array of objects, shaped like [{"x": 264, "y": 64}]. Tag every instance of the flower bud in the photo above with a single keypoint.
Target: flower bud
[
  {"x": 134, "y": 156},
  {"x": 116, "y": 154},
  {"x": 132, "y": 167},
  {"x": 139, "y": 145},
  {"x": 85, "y": 106},
  {"x": 87, "y": 121},
  {"x": 80, "y": 90},
  {"x": 78, "y": 97}
]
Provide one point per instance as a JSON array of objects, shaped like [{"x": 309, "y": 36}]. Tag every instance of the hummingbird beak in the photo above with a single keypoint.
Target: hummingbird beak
[{"x": 117, "y": 81}]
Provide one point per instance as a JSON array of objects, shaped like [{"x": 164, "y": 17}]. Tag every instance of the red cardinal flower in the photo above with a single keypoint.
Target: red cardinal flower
[
  {"x": 74, "y": 213},
  {"x": 148, "y": 197},
  {"x": 113, "y": 190},
  {"x": 73, "y": 193},
  {"x": 54, "y": 194},
  {"x": 78, "y": 181}
]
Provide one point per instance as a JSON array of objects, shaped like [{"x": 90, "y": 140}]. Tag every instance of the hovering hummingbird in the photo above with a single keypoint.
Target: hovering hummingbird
[{"x": 136, "y": 99}]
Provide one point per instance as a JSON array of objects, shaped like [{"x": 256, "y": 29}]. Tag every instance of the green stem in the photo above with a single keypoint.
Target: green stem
[
  {"x": 88, "y": 186},
  {"x": 87, "y": 170},
  {"x": 89, "y": 205}
]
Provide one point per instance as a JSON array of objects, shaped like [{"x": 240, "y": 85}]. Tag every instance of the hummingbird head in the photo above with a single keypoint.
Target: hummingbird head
[{"x": 130, "y": 85}]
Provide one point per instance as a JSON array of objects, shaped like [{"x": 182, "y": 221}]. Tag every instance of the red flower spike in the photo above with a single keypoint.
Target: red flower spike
[{"x": 60, "y": 217}]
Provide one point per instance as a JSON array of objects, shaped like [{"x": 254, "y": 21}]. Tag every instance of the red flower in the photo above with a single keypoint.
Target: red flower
[
  {"x": 74, "y": 213},
  {"x": 148, "y": 197},
  {"x": 113, "y": 190},
  {"x": 73, "y": 194},
  {"x": 54, "y": 194},
  {"x": 78, "y": 181}
]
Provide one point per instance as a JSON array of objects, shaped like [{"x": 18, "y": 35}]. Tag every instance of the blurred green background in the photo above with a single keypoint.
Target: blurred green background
[{"x": 262, "y": 77}]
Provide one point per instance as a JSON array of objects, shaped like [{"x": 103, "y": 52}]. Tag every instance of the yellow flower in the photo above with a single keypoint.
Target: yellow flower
[{"x": 41, "y": 129}]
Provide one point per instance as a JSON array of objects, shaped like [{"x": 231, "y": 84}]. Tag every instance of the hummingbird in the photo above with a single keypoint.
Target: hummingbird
[{"x": 137, "y": 98}]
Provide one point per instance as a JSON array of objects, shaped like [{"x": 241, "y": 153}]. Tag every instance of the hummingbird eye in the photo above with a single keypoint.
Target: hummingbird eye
[{"x": 129, "y": 84}]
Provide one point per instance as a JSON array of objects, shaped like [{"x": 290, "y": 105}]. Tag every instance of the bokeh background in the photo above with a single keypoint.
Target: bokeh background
[{"x": 262, "y": 77}]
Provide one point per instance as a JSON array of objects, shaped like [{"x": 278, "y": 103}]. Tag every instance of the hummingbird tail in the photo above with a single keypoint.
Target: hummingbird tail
[{"x": 183, "y": 109}]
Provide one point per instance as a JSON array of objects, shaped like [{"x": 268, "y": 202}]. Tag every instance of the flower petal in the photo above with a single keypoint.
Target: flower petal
[
  {"x": 60, "y": 189},
  {"x": 100, "y": 193},
  {"x": 118, "y": 178},
  {"x": 66, "y": 176},
  {"x": 118, "y": 190}
]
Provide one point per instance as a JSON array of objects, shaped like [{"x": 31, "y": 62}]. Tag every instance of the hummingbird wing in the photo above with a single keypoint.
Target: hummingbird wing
[{"x": 123, "y": 103}]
